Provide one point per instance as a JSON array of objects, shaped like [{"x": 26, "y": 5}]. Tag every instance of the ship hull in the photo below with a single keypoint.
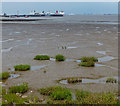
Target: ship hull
[{"x": 56, "y": 15}]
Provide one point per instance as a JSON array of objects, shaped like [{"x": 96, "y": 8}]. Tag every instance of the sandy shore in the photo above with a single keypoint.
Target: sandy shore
[{"x": 21, "y": 42}]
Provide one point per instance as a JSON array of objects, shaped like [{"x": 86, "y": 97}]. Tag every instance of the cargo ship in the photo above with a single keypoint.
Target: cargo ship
[{"x": 36, "y": 14}]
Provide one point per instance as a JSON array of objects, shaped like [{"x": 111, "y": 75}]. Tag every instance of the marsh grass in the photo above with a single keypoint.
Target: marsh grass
[
  {"x": 87, "y": 64},
  {"x": 57, "y": 93},
  {"x": 74, "y": 80},
  {"x": 11, "y": 98},
  {"x": 66, "y": 101},
  {"x": 81, "y": 94},
  {"x": 60, "y": 57},
  {"x": 84, "y": 97},
  {"x": 42, "y": 57},
  {"x": 102, "y": 98},
  {"x": 61, "y": 94},
  {"x": 19, "y": 88},
  {"x": 22, "y": 67},
  {"x": 87, "y": 59},
  {"x": 111, "y": 80},
  {"x": 4, "y": 75},
  {"x": 49, "y": 90}
]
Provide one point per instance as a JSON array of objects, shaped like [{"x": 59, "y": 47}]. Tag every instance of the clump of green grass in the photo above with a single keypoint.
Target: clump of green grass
[
  {"x": 11, "y": 98},
  {"x": 111, "y": 80},
  {"x": 42, "y": 57},
  {"x": 19, "y": 88},
  {"x": 61, "y": 94},
  {"x": 57, "y": 93},
  {"x": 59, "y": 57},
  {"x": 84, "y": 97},
  {"x": 4, "y": 75},
  {"x": 22, "y": 67},
  {"x": 48, "y": 91},
  {"x": 87, "y": 64},
  {"x": 87, "y": 59}
]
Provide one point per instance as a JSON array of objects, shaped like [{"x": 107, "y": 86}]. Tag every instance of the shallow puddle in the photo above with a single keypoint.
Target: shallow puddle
[
  {"x": 72, "y": 47},
  {"x": 29, "y": 40},
  {"x": 17, "y": 32},
  {"x": 6, "y": 40},
  {"x": 37, "y": 67},
  {"x": 69, "y": 60},
  {"x": 52, "y": 59},
  {"x": 78, "y": 34},
  {"x": 106, "y": 58},
  {"x": 14, "y": 76},
  {"x": 98, "y": 32},
  {"x": 105, "y": 30},
  {"x": 100, "y": 44},
  {"x": 101, "y": 52},
  {"x": 67, "y": 29},
  {"x": 64, "y": 82},
  {"x": 57, "y": 35},
  {"x": 78, "y": 60},
  {"x": 18, "y": 40},
  {"x": 93, "y": 81},
  {"x": 7, "y": 50},
  {"x": 99, "y": 65},
  {"x": 97, "y": 27},
  {"x": 43, "y": 32}
]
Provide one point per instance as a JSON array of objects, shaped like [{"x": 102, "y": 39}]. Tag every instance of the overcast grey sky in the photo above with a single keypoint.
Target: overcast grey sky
[{"x": 68, "y": 7}]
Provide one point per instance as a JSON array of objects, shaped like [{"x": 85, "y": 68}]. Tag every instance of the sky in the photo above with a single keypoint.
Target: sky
[
  {"x": 59, "y": 0},
  {"x": 67, "y": 7}
]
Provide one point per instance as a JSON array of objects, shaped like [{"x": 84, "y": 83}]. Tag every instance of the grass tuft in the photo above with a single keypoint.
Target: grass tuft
[
  {"x": 87, "y": 59},
  {"x": 87, "y": 64},
  {"x": 57, "y": 93},
  {"x": 12, "y": 99},
  {"x": 19, "y": 88},
  {"x": 41, "y": 57},
  {"x": 61, "y": 94},
  {"x": 4, "y": 75},
  {"x": 59, "y": 57},
  {"x": 111, "y": 80},
  {"x": 22, "y": 67}
]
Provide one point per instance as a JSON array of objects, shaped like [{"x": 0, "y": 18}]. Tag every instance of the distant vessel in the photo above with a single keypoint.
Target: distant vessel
[{"x": 36, "y": 14}]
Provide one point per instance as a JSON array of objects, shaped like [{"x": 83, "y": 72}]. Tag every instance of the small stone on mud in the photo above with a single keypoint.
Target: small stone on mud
[{"x": 24, "y": 96}]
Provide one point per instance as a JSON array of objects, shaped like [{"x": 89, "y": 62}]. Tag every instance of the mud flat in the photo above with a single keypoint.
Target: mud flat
[{"x": 20, "y": 48}]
